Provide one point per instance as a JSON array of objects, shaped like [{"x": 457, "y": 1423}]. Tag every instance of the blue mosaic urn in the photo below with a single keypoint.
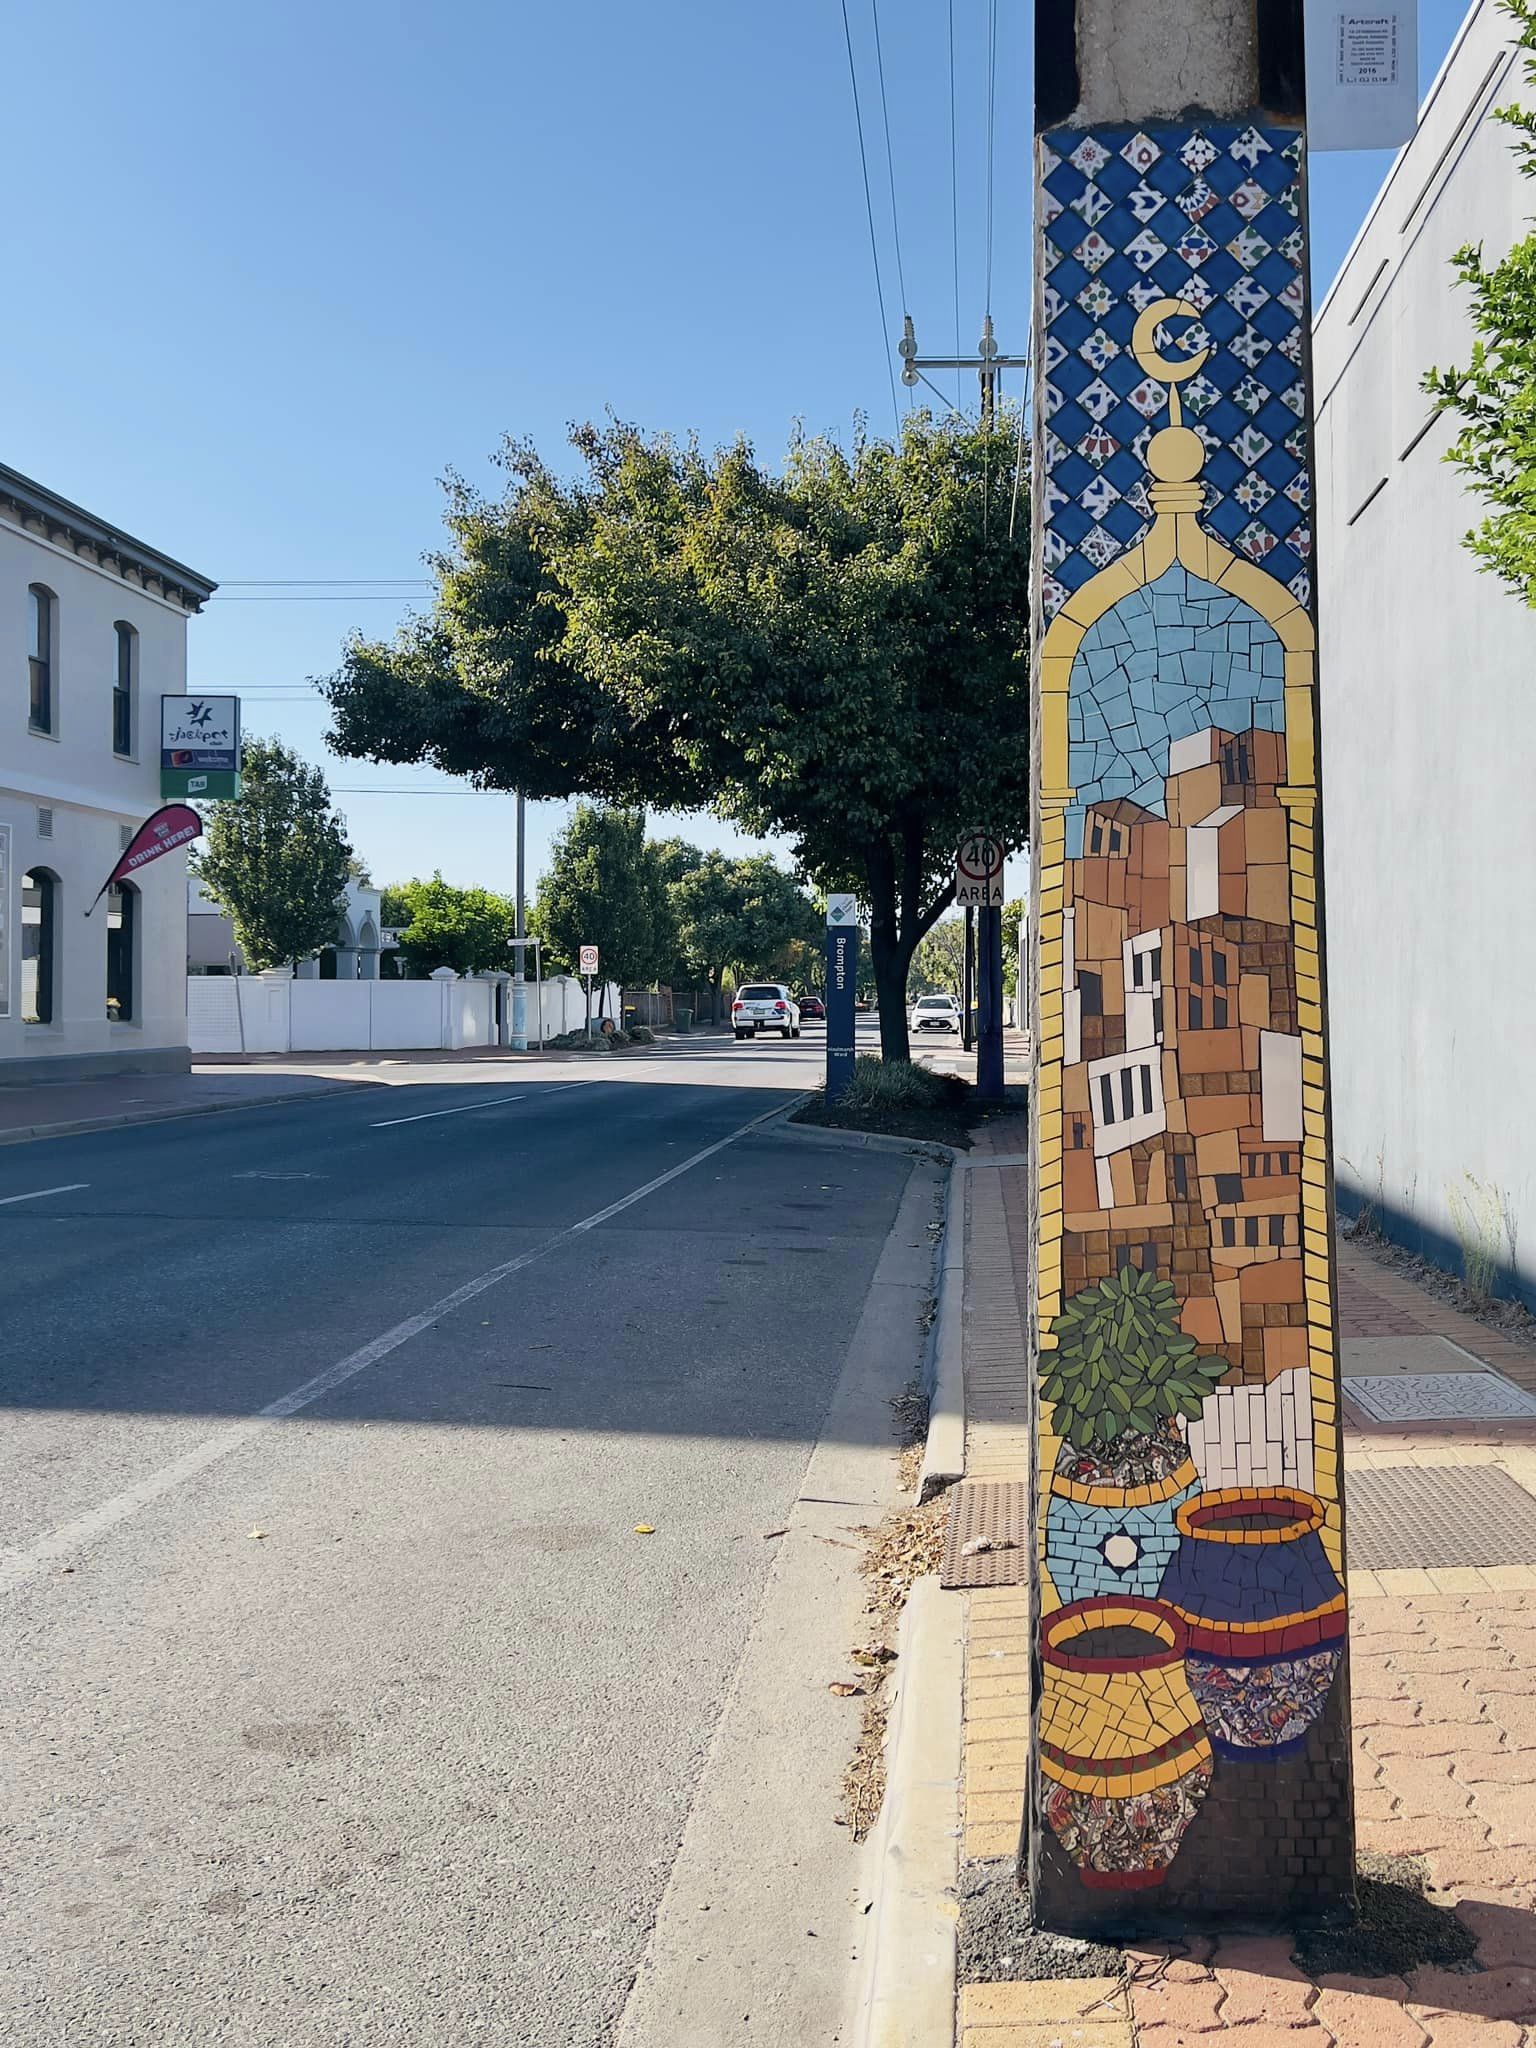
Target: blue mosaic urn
[{"x": 1105, "y": 1535}]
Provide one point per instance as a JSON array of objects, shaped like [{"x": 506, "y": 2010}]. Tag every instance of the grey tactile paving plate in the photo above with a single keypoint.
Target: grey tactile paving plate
[
  {"x": 1407, "y": 1517},
  {"x": 1363, "y": 1357},
  {"x": 994, "y": 1510},
  {"x": 1437, "y": 1396}
]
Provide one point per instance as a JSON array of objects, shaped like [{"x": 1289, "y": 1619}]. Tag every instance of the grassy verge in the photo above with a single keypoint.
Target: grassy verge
[{"x": 900, "y": 1100}]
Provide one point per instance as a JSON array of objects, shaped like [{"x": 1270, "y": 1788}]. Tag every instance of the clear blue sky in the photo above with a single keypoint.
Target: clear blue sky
[{"x": 273, "y": 270}]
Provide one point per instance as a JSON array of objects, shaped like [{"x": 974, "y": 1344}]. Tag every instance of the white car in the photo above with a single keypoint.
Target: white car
[
  {"x": 765, "y": 1006},
  {"x": 935, "y": 1013}
]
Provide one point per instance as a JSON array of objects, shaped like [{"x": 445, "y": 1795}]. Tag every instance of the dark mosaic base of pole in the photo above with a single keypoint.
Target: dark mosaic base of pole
[{"x": 1273, "y": 1845}]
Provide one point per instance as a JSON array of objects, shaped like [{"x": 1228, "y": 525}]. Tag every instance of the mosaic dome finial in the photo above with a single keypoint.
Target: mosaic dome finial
[{"x": 1176, "y": 455}]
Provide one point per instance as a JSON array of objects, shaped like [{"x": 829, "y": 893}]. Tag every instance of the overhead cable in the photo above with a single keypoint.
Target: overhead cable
[{"x": 869, "y": 213}]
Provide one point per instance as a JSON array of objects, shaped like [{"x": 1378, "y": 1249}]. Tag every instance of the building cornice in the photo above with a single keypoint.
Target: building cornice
[{"x": 43, "y": 515}]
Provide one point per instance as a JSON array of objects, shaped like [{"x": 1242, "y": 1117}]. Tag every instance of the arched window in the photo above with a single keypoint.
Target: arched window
[
  {"x": 39, "y": 928},
  {"x": 125, "y": 675},
  {"x": 41, "y": 633},
  {"x": 122, "y": 948}
]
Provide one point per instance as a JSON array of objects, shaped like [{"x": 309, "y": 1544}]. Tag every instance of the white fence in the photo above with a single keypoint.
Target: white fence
[{"x": 272, "y": 1013}]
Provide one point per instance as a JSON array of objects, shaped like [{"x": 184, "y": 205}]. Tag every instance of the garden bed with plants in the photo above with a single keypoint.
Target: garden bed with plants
[
  {"x": 896, "y": 1099},
  {"x": 611, "y": 1040}
]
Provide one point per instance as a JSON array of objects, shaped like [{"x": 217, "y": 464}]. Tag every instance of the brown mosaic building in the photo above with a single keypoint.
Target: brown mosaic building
[{"x": 1182, "y": 1070}]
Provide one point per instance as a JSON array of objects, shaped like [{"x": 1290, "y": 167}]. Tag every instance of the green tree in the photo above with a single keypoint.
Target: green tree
[
  {"x": 277, "y": 857},
  {"x": 938, "y": 965},
  {"x": 834, "y": 654},
  {"x": 740, "y": 914},
  {"x": 1013, "y": 917},
  {"x": 604, "y": 888},
  {"x": 465, "y": 929},
  {"x": 1494, "y": 397}
]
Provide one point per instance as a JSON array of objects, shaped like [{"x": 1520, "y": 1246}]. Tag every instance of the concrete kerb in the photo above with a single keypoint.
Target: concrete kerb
[
  {"x": 80, "y": 1126},
  {"x": 944, "y": 1451},
  {"x": 905, "y": 1991},
  {"x": 875, "y": 1141}
]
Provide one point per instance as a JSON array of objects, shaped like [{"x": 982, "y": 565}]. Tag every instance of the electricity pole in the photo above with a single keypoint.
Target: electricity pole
[{"x": 983, "y": 982}]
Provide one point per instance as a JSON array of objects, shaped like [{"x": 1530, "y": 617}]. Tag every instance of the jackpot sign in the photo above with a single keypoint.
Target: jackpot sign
[{"x": 200, "y": 746}]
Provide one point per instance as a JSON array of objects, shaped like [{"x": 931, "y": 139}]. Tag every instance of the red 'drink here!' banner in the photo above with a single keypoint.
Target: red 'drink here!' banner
[{"x": 171, "y": 826}]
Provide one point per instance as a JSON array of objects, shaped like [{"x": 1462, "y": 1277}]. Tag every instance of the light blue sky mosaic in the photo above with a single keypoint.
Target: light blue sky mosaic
[{"x": 1170, "y": 659}]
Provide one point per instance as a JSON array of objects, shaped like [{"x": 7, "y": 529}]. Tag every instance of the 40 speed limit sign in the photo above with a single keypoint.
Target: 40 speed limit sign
[{"x": 979, "y": 872}]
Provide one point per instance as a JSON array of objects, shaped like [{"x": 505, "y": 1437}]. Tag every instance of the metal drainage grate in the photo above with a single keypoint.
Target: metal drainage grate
[
  {"x": 1438, "y": 1396},
  {"x": 991, "y": 1511},
  {"x": 1406, "y": 1517}
]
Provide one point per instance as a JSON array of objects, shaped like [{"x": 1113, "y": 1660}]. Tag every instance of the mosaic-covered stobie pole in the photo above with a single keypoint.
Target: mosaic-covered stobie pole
[{"x": 1190, "y": 1758}]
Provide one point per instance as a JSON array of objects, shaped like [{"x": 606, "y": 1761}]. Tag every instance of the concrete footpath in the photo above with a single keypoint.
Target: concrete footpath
[{"x": 1444, "y": 1703}]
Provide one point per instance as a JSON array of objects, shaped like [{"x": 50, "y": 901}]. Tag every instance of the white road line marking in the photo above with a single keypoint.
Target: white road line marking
[
  {"x": 72, "y": 1536},
  {"x": 426, "y": 1115},
  {"x": 37, "y": 1194}
]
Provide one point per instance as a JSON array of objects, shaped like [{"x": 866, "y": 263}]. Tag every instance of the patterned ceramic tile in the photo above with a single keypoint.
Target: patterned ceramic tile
[{"x": 1209, "y": 217}]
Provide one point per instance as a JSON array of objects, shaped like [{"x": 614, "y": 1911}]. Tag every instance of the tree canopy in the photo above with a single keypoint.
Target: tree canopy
[
  {"x": 834, "y": 654},
  {"x": 441, "y": 926},
  {"x": 741, "y": 914},
  {"x": 938, "y": 965},
  {"x": 1494, "y": 397},
  {"x": 605, "y": 888},
  {"x": 277, "y": 857}
]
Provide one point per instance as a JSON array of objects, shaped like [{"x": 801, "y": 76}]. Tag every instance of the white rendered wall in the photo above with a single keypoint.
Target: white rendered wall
[
  {"x": 93, "y": 795},
  {"x": 1428, "y": 675}
]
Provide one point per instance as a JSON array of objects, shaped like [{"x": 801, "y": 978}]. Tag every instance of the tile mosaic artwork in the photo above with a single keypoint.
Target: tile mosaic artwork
[{"x": 1192, "y": 1604}]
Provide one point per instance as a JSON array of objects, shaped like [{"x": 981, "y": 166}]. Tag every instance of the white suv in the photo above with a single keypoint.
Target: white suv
[
  {"x": 765, "y": 1006},
  {"x": 935, "y": 1013}
]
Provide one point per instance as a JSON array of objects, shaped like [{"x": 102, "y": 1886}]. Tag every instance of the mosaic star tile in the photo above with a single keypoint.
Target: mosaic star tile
[{"x": 1212, "y": 217}]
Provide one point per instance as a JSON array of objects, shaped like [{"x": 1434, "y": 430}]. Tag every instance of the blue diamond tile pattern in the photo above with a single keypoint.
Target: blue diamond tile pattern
[{"x": 1210, "y": 215}]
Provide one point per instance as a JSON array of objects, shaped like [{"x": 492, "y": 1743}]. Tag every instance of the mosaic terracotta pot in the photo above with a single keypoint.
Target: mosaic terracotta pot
[
  {"x": 1265, "y": 1613},
  {"x": 1104, "y": 1539},
  {"x": 1123, "y": 1748}
]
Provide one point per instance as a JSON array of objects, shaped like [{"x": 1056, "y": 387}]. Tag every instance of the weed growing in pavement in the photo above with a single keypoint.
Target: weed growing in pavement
[{"x": 1485, "y": 1228}]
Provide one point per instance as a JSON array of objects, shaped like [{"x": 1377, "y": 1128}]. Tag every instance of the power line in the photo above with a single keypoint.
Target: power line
[
  {"x": 954, "y": 193},
  {"x": 991, "y": 129},
  {"x": 869, "y": 211},
  {"x": 890, "y": 160}
]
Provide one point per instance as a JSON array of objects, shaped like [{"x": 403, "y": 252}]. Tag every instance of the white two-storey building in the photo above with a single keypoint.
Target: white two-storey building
[{"x": 93, "y": 630}]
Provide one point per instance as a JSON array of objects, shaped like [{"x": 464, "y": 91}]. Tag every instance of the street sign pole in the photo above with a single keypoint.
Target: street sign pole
[
  {"x": 968, "y": 982},
  {"x": 989, "y": 1035},
  {"x": 842, "y": 987},
  {"x": 519, "y": 980},
  {"x": 979, "y": 890}
]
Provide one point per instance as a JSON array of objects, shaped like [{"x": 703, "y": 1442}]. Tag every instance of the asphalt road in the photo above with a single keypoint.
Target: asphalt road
[{"x": 344, "y": 1703}]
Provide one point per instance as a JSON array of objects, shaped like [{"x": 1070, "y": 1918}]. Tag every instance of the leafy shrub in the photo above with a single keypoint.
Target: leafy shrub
[
  {"x": 1121, "y": 1362},
  {"x": 641, "y": 1034},
  {"x": 899, "y": 1085}
]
